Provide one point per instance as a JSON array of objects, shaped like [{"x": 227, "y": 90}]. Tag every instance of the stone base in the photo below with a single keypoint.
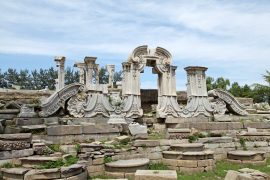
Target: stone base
[{"x": 155, "y": 174}]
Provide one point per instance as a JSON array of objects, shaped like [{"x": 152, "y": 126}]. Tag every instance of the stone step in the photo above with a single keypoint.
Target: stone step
[
  {"x": 156, "y": 174},
  {"x": 34, "y": 128},
  {"x": 16, "y": 137},
  {"x": 33, "y": 161},
  {"x": 246, "y": 156},
  {"x": 187, "y": 147},
  {"x": 198, "y": 155},
  {"x": 172, "y": 154},
  {"x": 127, "y": 166},
  {"x": 13, "y": 173},
  {"x": 178, "y": 133},
  {"x": 9, "y": 111}
]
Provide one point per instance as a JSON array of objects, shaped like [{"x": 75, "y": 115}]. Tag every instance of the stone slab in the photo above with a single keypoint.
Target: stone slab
[
  {"x": 13, "y": 173},
  {"x": 9, "y": 111},
  {"x": 71, "y": 170},
  {"x": 155, "y": 174},
  {"x": 16, "y": 137},
  {"x": 130, "y": 165},
  {"x": 146, "y": 143},
  {"x": 99, "y": 129},
  {"x": 42, "y": 174},
  {"x": 64, "y": 130},
  {"x": 28, "y": 121},
  {"x": 16, "y": 154},
  {"x": 13, "y": 145}
]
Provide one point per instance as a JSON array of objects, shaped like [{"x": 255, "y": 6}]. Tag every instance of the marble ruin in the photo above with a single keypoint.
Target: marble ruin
[{"x": 87, "y": 129}]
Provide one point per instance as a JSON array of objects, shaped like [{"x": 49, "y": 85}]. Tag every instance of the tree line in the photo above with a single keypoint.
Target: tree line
[
  {"x": 259, "y": 92},
  {"x": 42, "y": 78}
]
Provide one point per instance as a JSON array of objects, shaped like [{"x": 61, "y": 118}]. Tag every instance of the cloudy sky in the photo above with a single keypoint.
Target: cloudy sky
[{"x": 231, "y": 38}]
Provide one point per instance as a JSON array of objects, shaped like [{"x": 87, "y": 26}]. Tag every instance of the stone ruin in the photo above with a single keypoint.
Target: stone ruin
[{"x": 105, "y": 128}]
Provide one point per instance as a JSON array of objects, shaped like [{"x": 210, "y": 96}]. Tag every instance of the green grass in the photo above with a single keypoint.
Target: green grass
[
  {"x": 55, "y": 147},
  {"x": 8, "y": 165},
  {"x": 157, "y": 166},
  {"x": 153, "y": 135},
  {"x": 59, "y": 163},
  {"x": 108, "y": 159},
  {"x": 221, "y": 170}
]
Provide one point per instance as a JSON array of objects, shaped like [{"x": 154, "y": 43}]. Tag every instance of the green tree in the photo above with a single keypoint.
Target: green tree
[
  {"x": 103, "y": 76},
  {"x": 236, "y": 90},
  {"x": 221, "y": 83},
  {"x": 267, "y": 77},
  {"x": 209, "y": 83}
]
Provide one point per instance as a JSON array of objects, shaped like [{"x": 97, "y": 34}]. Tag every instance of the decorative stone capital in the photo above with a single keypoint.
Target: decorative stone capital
[
  {"x": 90, "y": 61},
  {"x": 60, "y": 60}
]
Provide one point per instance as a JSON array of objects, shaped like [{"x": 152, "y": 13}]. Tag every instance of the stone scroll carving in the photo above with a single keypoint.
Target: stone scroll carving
[
  {"x": 58, "y": 99},
  {"x": 232, "y": 104}
]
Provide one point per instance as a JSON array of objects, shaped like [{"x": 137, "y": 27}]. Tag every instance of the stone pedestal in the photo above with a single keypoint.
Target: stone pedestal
[{"x": 198, "y": 103}]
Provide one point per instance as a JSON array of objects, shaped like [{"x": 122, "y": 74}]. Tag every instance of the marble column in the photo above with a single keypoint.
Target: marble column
[
  {"x": 81, "y": 67},
  {"x": 111, "y": 70},
  {"x": 90, "y": 65},
  {"x": 198, "y": 103},
  {"x": 60, "y": 63}
]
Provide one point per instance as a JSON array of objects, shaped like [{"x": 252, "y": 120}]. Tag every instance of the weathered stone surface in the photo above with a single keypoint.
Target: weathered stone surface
[
  {"x": 172, "y": 154},
  {"x": 95, "y": 168},
  {"x": 122, "y": 138},
  {"x": 41, "y": 149},
  {"x": 215, "y": 140},
  {"x": 51, "y": 121},
  {"x": 71, "y": 170},
  {"x": 115, "y": 175},
  {"x": 99, "y": 128},
  {"x": 42, "y": 174},
  {"x": 9, "y": 111},
  {"x": 7, "y": 116},
  {"x": 98, "y": 161},
  {"x": 28, "y": 121},
  {"x": 13, "y": 173},
  {"x": 13, "y": 145},
  {"x": 187, "y": 163},
  {"x": 31, "y": 128},
  {"x": 188, "y": 147},
  {"x": 146, "y": 143},
  {"x": 16, "y": 154},
  {"x": 33, "y": 161},
  {"x": 64, "y": 130},
  {"x": 16, "y": 137},
  {"x": 206, "y": 154},
  {"x": 170, "y": 162},
  {"x": 82, "y": 176},
  {"x": 246, "y": 155},
  {"x": 155, "y": 174},
  {"x": 136, "y": 128},
  {"x": 130, "y": 165},
  {"x": 168, "y": 142}
]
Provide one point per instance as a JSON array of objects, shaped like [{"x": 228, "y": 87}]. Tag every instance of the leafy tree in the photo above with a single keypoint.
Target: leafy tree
[
  {"x": 236, "y": 90},
  {"x": 103, "y": 76},
  {"x": 209, "y": 83},
  {"x": 221, "y": 83}
]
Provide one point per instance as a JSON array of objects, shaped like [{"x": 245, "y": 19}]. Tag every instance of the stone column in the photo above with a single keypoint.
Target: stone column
[
  {"x": 60, "y": 63},
  {"x": 196, "y": 85},
  {"x": 81, "y": 67},
  {"x": 111, "y": 69},
  {"x": 90, "y": 65},
  {"x": 97, "y": 73},
  {"x": 198, "y": 103}
]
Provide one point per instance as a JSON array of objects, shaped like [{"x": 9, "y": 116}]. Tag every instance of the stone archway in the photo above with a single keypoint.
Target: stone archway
[{"x": 160, "y": 59}]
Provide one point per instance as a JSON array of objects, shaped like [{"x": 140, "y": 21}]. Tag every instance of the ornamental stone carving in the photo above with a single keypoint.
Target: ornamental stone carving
[{"x": 232, "y": 104}]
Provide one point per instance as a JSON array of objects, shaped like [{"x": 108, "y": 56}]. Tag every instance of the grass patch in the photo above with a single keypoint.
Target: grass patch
[
  {"x": 55, "y": 147},
  {"x": 8, "y": 165},
  {"x": 221, "y": 170},
  {"x": 243, "y": 143},
  {"x": 157, "y": 166},
  {"x": 59, "y": 163},
  {"x": 154, "y": 135},
  {"x": 108, "y": 159}
]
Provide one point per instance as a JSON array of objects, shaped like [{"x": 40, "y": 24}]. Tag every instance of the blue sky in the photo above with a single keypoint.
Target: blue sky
[{"x": 231, "y": 38}]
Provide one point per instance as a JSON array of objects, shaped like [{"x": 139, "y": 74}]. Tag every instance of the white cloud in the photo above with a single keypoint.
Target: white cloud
[{"x": 223, "y": 35}]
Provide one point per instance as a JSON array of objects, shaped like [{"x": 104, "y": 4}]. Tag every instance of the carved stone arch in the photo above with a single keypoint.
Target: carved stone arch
[{"x": 160, "y": 60}]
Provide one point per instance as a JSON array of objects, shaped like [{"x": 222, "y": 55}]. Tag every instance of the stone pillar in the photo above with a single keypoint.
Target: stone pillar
[
  {"x": 97, "y": 73},
  {"x": 111, "y": 69},
  {"x": 90, "y": 65},
  {"x": 198, "y": 103},
  {"x": 60, "y": 63},
  {"x": 81, "y": 67},
  {"x": 196, "y": 85}
]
